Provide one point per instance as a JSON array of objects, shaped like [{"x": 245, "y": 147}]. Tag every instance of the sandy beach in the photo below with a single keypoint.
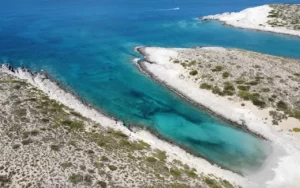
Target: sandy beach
[
  {"x": 281, "y": 18},
  {"x": 162, "y": 64}
]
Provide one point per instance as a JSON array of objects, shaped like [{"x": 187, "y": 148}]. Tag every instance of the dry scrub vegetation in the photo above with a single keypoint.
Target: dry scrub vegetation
[
  {"x": 267, "y": 81},
  {"x": 46, "y": 144}
]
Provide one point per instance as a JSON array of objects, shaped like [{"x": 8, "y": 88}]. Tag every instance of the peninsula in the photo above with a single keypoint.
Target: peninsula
[
  {"x": 256, "y": 91},
  {"x": 277, "y": 18}
]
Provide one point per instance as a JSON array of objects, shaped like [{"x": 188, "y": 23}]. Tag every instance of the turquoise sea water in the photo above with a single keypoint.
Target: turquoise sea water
[{"x": 88, "y": 46}]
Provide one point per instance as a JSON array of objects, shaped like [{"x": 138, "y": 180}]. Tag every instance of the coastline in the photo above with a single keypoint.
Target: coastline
[
  {"x": 58, "y": 93},
  {"x": 254, "y": 18},
  {"x": 143, "y": 68},
  {"x": 159, "y": 70}
]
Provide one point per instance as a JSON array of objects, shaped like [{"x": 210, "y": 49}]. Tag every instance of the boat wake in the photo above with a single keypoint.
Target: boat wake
[{"x": 168, "y": 9}]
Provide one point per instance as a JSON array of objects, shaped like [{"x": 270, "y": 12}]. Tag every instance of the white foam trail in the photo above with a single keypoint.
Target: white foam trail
[{"x": 168, "y": 9}]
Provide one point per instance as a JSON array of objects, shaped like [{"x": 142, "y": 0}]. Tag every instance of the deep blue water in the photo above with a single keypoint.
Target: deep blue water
[{"x": 88, "y": 46}]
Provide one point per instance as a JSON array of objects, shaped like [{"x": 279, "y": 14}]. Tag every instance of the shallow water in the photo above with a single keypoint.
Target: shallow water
[{"x": 88, "y": 46}]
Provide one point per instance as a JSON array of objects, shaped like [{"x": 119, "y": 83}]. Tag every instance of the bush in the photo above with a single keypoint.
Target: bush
[
  {"x": 296, "y": 129},
  {"x": 66, "y": 165},
  {"x": 112, "y": 167},
  {"x": 282, "y": 106},
  {"x": 212, "y": 182},
  {"x": 217, "y": 69},
  {"x": 55, "y": 147},
  {"x": 229, "y": 89},
  {"x": 206, "y": 86},
  {"x": 27, "y": 142},
  {"x": 258, "y": 102},
  {"x": 175, "y": 172},
  {"x": 252, "y": 83},
  {"x": 161, "y": 155},
  {"x": 76, "y": 178},
  {"x": 243, "y": 87},
  {"x": 73, "y": 125},
  {"x": 104, "y": 158},
  {"x": 247, "y": 95},
  {"x": 151, "y": 159},
  {"x": 265, "y": 90},
  {"x": 193, "y": 72},
  {"x": 239, "y": 81},
  {"x": 217, "y": 90},
  {"x": 225, "y": 75},
  {"x": 229, "y": 86},
  {"x": 119, "y": 134}
]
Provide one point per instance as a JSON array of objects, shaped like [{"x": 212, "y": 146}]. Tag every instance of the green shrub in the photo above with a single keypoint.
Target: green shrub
[
  {"x": 175, "y": 172},
  {"x": 252, "y": 83},
  {"x": 243, "y": 87},
  {"x": 119, "y": 134},
  {"x": 66, "y": 165},
  {"x": 190, "y": 173},
  {"x": 296, "y": 129},
  {"x": 161, "y": 155},
  {"x": 55, "y": 147},
  {"x": 112, "y": 167},
  {"x": 297, "y": 74},
  {"x": 104, "y": 158},
  {"x": 193, "y": 72},
  {"x": 76, "y": 178},
  {"x": 281, "y": 105},
  {"x": 225, "y": 75},
  {"x": 229, "y": 89},
  {"x": 239, "y": 81},
  {"x": 265, "y": 90},
  {"x": 295, "y": 114},
  {"x": 229, "y": 86},
  {"x": 151, "y": 159},
  {"x": 21, "y": 112},
  {"x": 192, "y": 63},
  {"x": 26, "y": 142},
  {"x": 218, "y": 91},
  {"x": 206, "y": 86},
  {"x": 217, "y": 69},
  {"x": 16, "y": 146},
  {"x": 247, "y": 95},
  {"x": 212, "y": 182},
  {"x": 73, "y": 125},
  {"x": 176, "y": 61},
  {"x": 258, "y": 102}
]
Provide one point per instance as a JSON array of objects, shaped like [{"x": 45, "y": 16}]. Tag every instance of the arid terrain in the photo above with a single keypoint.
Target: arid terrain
[{"x": 46, "y": 144}]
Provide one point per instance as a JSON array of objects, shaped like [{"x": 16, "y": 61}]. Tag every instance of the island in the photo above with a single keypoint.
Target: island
[
  {"x": 277, "y": 18},
  {"x": 255, "y": 91},
  {"x": 46, "y": 143}
]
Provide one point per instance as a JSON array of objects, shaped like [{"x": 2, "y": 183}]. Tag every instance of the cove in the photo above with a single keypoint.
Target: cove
[{"x": 88, "y": 46}]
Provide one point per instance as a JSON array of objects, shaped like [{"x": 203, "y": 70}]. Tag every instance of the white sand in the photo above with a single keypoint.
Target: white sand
[
  {"x": 174, "y": 152},
  {"x": 251, "y": 18},
  {"x": 287, "y": 170}
]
